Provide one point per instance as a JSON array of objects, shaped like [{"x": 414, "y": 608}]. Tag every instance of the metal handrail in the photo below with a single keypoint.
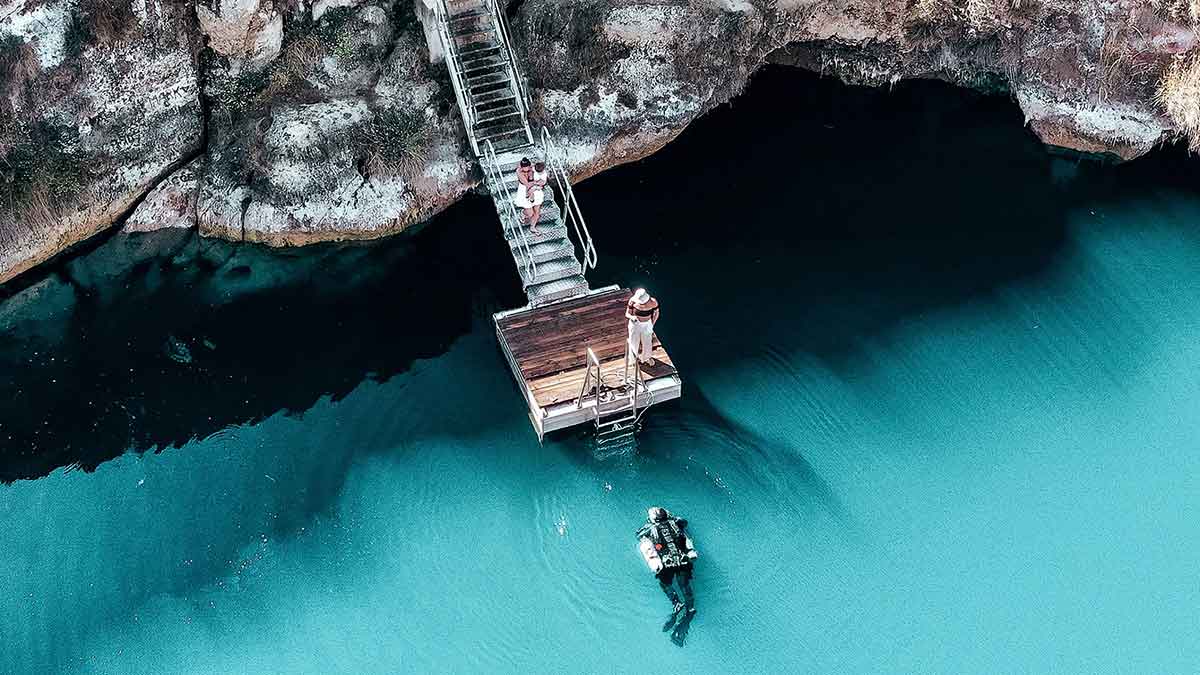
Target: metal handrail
[
  {"x": 592, "y": 362},
  {"x": 570, "y": 207},
  {"x": 454, "y": 64},
  {"x": 508, "y": 213},
  {"x": 500, "y": 24}
]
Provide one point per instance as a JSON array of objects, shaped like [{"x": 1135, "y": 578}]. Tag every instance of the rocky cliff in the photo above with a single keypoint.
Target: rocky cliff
[{"x": 292, "y": 121}]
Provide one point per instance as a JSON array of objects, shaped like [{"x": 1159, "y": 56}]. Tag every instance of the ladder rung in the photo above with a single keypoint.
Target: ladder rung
[{"x": 618, "y": 423}]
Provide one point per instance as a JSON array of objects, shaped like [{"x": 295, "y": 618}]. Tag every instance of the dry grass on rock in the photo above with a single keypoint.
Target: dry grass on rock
[
  {"x": 108, "y": 20},
  {"x": 1179, "y": 94},
  {"x": 393, "y": 143},
  {"x": 1178, "y": 10}
]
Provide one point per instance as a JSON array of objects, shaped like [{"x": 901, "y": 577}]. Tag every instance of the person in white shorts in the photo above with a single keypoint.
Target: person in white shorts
[{"x": 642, "y": 312}]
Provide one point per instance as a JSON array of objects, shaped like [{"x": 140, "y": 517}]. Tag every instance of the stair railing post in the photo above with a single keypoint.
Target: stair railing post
[
  {"x": 592, "y": 362},
  {"x": 454, "y": 65},
  {"x": 572, "y": 212},
  {"x": 500, "y": 26},
  {"x": 508, "y": 211}
]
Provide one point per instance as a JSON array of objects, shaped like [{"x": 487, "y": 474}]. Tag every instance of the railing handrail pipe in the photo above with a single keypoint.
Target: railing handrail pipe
[
  {"x": 505, "y": 37},
  {"x": 454, "y": 65},
  {"x": 571, "y": 208},
  {"x": 592, "y": 362},
  {"x": 492, "y": 169}
]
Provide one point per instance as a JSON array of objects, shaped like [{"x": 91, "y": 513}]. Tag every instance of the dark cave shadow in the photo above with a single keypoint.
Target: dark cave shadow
[
  {"x": 821, "y": 216},
  {"x": 808, "y": 213},
  {"x": 153, "y": 348}
]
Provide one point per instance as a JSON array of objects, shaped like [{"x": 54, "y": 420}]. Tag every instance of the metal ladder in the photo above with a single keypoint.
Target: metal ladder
[
  {"x": 617, "y": 433},
  {"x": 493, "y": 98}
]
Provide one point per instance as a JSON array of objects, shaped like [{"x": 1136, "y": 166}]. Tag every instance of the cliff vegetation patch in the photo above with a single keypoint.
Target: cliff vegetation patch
[
  {"x": 105, "y": 21},
  {"x": 562, "y": 48},
  {"x": 1180, "y": 96}
]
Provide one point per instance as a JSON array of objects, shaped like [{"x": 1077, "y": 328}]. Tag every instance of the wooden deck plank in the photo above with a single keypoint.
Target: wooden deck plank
[
  {"x": 549, "y": 344},
  {"x": 564, "y": 387}
]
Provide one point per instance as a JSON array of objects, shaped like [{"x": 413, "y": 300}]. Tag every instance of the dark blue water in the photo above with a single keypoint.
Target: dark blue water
[{"x": 939, "y": 417}]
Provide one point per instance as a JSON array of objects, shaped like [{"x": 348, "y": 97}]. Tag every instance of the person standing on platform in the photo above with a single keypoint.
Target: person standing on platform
[{"x": 642, "y": 312}]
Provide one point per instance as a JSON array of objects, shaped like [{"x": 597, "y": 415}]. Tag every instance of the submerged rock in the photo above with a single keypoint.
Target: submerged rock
[{"x": 177, "y": 350}]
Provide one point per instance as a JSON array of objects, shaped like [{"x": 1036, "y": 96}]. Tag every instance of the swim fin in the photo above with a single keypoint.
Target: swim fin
[
  {"x": 679, "y": 609},
  {"x": 679, "y": 635}
]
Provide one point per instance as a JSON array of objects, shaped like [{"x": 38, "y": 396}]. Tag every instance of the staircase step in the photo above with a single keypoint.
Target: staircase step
[
  {"x": 555, "y": 255},
  {"x": 497, "y": 105},
  {"x": 478, "y": 65},
  {"x": 482, "y": 88},
  {"x": 506, "y": 144},
  {"x": 546, "y": 233},
  {"x": 545, "y": 251},
  {"x": 614, "y": 429},
  {"x": 487, "y": 78},
  {"x": 469, "y": 14},
  {"x": 498, "y": 95},
  {"x": 553, "y": 270},
  {"x": 472, "y": 29},
  {"x": 499, "y": 134},
  {"x": 503, "y": 114},
  {"x": 478, "y": 51},
  {"x": 553, "y": 291}
]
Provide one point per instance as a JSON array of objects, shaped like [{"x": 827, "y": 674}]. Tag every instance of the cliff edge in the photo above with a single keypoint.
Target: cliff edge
[{"x": 287, "y": 122}]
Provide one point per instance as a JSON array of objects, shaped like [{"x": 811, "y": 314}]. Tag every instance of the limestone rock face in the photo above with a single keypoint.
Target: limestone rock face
[
  {"x": 98, "y": 101},
  {"x": 248, "y": 32},
  {"x": 1088, "y": 76},
  {"x": 618, "y": 79},
  {"x": 171, "y": 205},
  {"x": 346, "y": 134},
  {"x": 286, "y": 122}
]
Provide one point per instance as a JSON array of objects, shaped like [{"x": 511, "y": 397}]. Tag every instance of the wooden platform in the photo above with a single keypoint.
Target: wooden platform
[{"x": 547, "y": 349}]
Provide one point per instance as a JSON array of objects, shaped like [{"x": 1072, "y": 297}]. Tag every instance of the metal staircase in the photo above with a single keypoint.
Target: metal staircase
[{"x": 494, "y": 102}]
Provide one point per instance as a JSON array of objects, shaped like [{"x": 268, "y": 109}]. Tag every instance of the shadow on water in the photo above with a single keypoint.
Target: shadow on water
[
  {"x": 677, "y": 431},
  {"x": 817, "y": 216},
  {"x": 807, "y": 214},
  {"x": 813, "y": 218},
  {"x": 150, "y": 341},
  {"x": 833, "y": 215}
]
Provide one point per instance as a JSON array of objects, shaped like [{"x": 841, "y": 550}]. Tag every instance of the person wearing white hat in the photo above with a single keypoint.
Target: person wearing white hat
[{"x": 642, "y": 312}]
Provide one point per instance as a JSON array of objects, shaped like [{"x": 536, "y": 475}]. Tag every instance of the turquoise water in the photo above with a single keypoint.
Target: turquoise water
[{"x": 940, "y": 416}]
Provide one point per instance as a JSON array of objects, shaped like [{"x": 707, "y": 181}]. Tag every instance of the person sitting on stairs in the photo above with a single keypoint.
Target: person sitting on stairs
[{"x": 531, "y": 183}]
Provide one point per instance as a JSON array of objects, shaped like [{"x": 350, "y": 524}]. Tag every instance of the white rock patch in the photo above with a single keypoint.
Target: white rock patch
[{"x": 45, "y": 25}]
